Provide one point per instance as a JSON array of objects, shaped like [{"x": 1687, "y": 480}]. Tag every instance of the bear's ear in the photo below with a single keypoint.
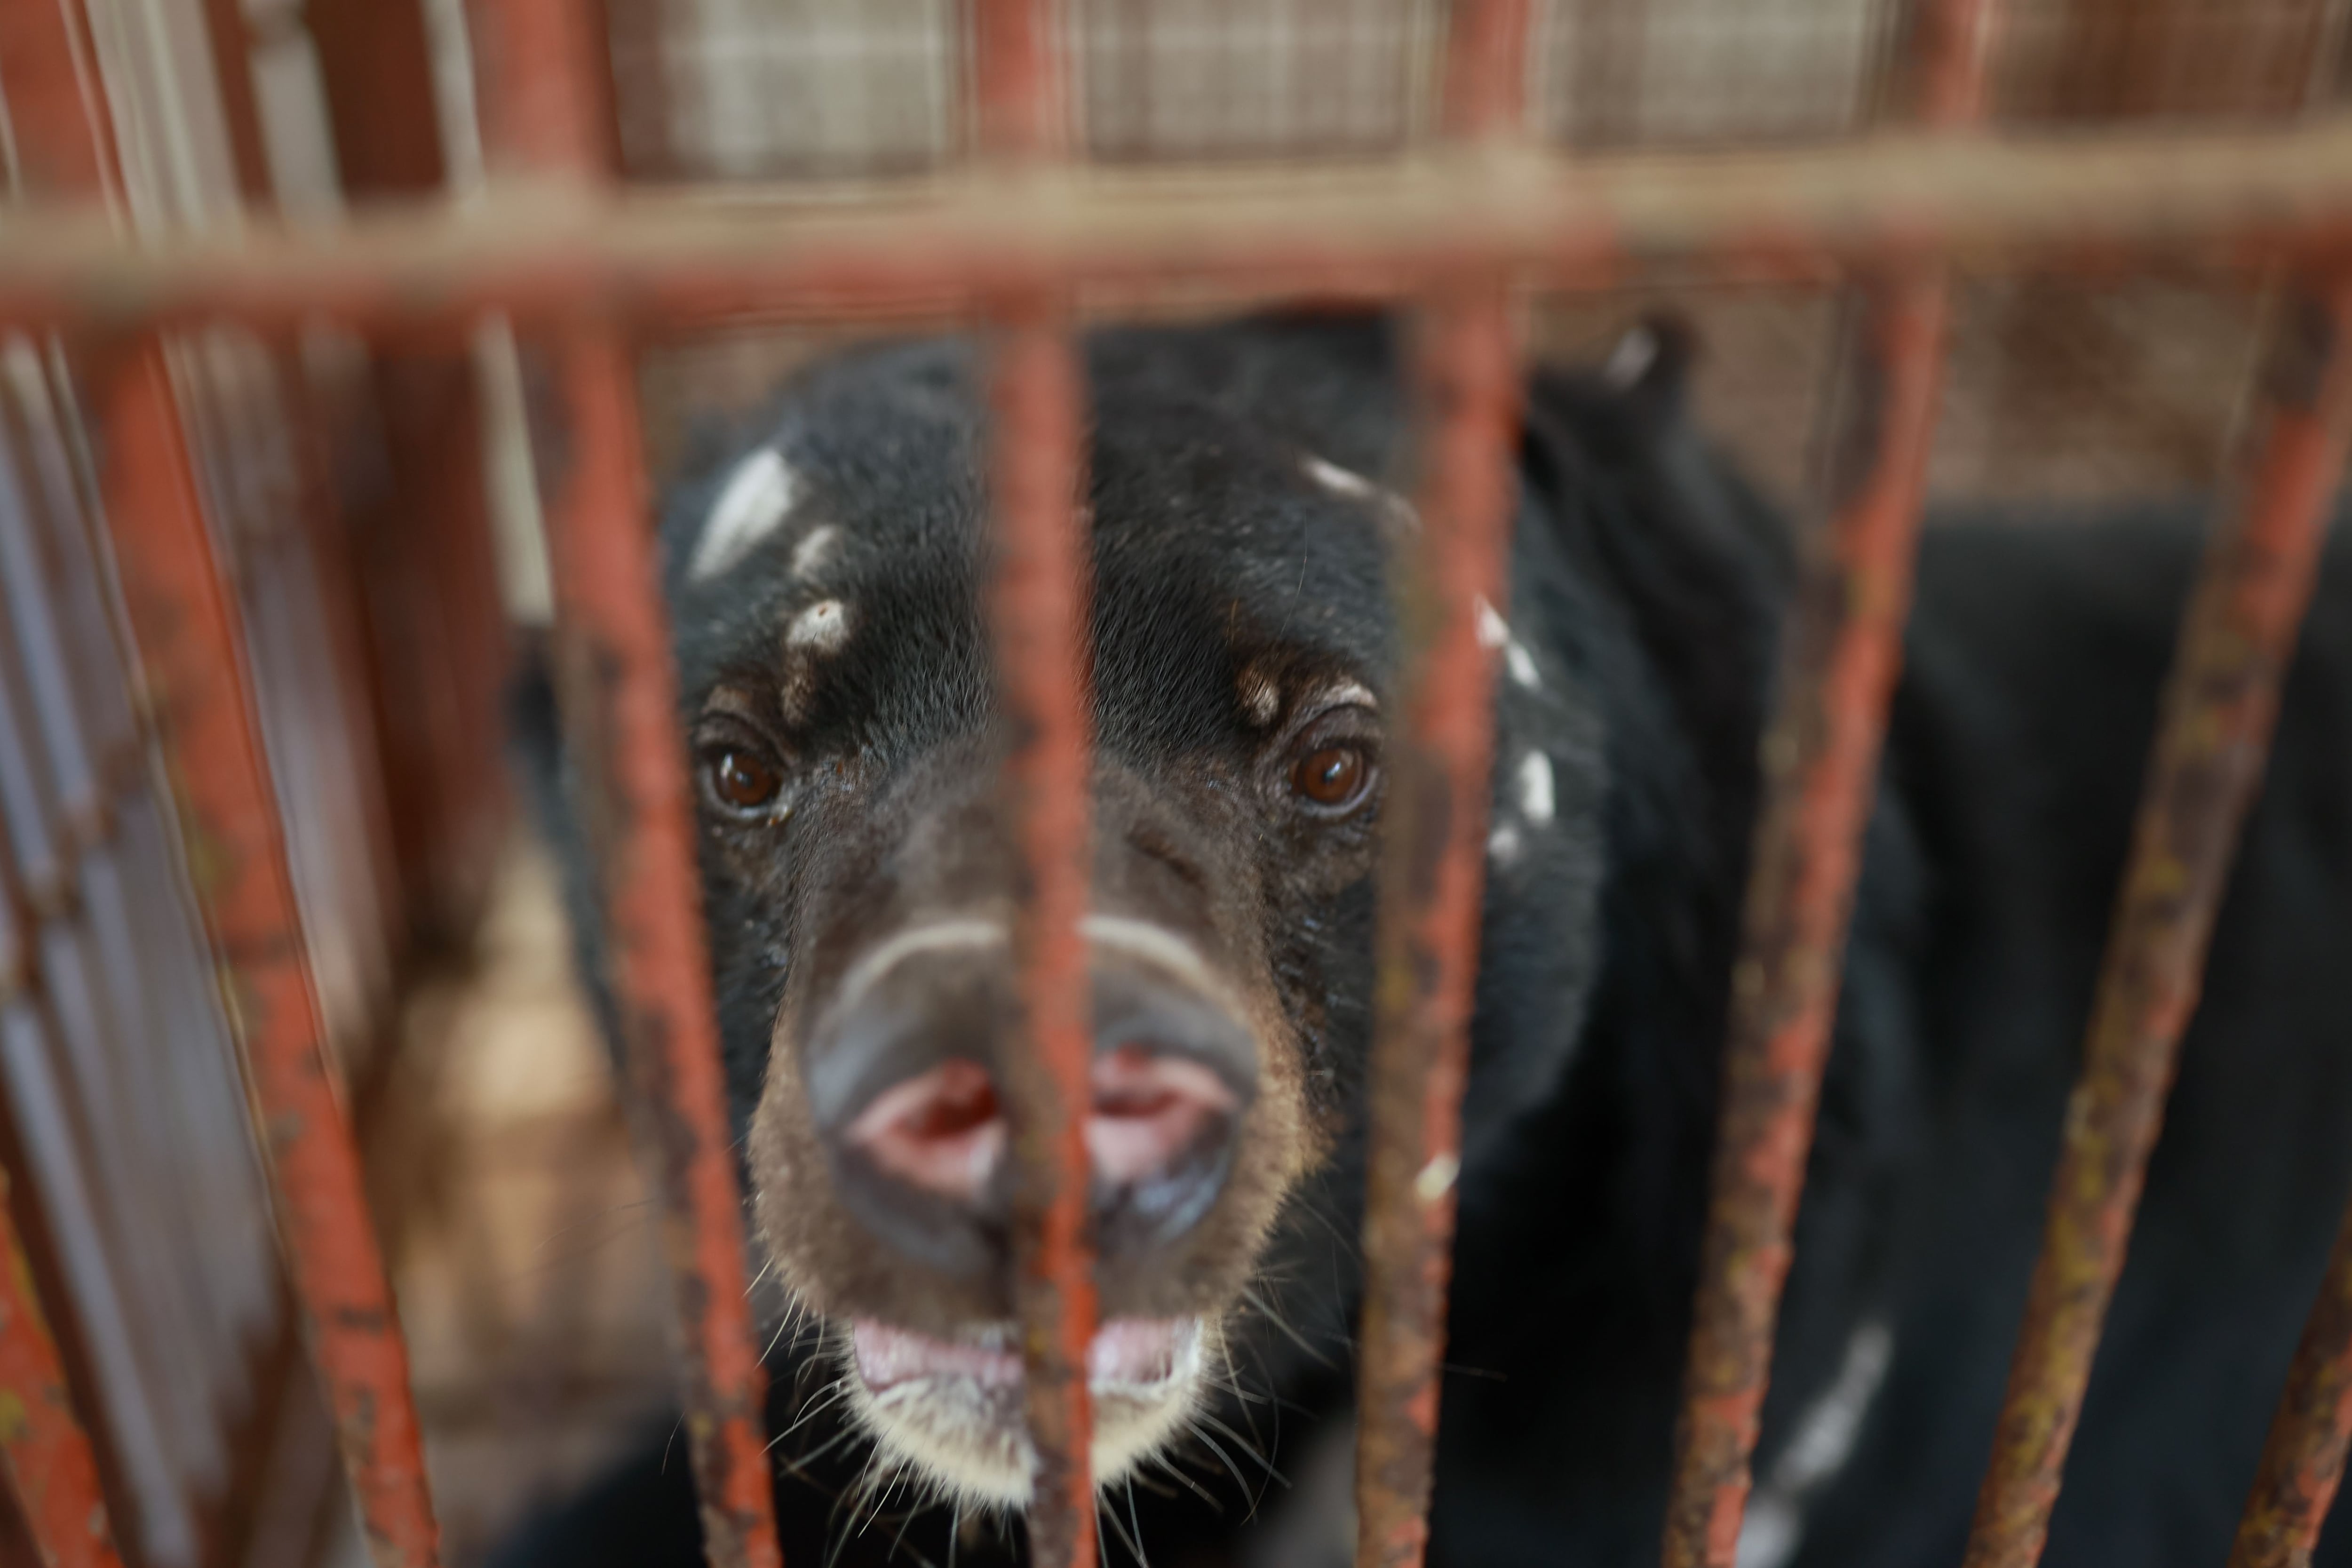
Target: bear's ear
[{"x": 1649, "y": 367}]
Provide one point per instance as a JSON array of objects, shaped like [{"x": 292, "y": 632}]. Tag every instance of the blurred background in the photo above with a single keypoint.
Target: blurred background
[{"x": 379, "y": 514}]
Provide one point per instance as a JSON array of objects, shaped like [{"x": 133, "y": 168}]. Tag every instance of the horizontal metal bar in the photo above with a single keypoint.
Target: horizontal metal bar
[
  {"x": 2078, "y": 203},
  {"x": 2237, "y": 638}
]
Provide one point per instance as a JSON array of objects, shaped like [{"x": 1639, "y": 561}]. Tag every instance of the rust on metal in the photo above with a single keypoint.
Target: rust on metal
[
  {"x": 542, "y": 92},
  {"x": 2095, "y": 205},
  {"x": 2236, "y": 637},
  {"x": 1820, "y": 768},
  {"x": 1819, "y": 759},
  {"x": 1037, "y": 604},
  {"x": 43, "y": 1448},
  {"x": 1433, "y": 859},
  {"x": 192, "y": 661},
  {"x": 1432, "y": 882},
  {"x": 2303, "y": 1461},
  {"x": 1038, "y": 618}
]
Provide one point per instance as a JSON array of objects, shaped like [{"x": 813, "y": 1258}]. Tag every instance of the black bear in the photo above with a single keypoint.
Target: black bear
[{"x": 1244, "y": 485}]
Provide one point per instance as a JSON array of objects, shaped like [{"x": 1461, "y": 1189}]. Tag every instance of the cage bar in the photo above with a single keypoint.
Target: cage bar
[
  {"x": 2237, "y": 638},
  {"x": 193, "y": 659},
  {"x": 1432, "y": 860},
  {"x": 46, "y": 1454},
  {"x": 2095, "y": 205},
  {"x": 545, "y": 114},
  {"x": 1038, "y": 617},
  {"x": 2303, "y": 1460},
  {"x": 1820, "y": 765}
]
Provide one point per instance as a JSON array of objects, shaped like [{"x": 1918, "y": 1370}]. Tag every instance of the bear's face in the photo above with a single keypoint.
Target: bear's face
[{"x": 829, "y": 590}]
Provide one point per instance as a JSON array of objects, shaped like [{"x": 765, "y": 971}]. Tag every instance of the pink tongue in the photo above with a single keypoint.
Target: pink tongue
[{"x": 1125, "y": 1349}]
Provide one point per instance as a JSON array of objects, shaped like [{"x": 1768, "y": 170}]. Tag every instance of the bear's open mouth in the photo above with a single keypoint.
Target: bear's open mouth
[{"x": 951, "y": 1409}]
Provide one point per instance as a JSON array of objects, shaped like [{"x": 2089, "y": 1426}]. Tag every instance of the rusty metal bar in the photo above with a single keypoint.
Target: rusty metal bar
[
  {"x": 1820, "y": 762},
  {"x": 1038, "y": 618},
  {"x": 193, "y": 659},
  {"x": 2303, "y": 1461},
  {"x": 2095, "y": 205},
  {"x": 2236, "y": 637},
  {"x": 1432, "y": 865},
  {"x": 543, "y": 99},
  {"x": 47, "y": 1455}
]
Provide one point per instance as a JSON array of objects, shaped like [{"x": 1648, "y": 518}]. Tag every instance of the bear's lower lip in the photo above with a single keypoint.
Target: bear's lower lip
[{"x": 1129, "y": 1354}]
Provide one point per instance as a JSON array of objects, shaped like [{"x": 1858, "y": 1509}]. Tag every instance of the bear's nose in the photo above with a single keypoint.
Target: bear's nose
[{"x": 904, "y": 1085}]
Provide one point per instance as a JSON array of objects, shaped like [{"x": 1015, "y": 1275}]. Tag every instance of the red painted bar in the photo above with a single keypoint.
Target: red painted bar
[
  {"x": 1432, "y": 870},
  {"x": 2303, "y": 1462},
  {"x": 542, "y": 86},
  {"x": 2237, "y": 638},
  {"x": 1819, "y": 759},
  {"x": 192, "y": 660},
  {"x": 1038, "y": 616},
  {"x": 42, "y": 1446}
]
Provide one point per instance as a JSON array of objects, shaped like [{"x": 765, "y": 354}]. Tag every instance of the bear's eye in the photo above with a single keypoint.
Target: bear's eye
[
  {"x": 741, "y": 782},
  {"x": 1332, "y": 779}
]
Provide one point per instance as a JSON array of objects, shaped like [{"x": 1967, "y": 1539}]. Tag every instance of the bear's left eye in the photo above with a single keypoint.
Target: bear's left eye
[{"x": 1332, "y": 779}]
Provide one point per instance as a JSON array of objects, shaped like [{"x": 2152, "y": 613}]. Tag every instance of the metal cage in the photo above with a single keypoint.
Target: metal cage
[{"x": 1019, "y": 239}]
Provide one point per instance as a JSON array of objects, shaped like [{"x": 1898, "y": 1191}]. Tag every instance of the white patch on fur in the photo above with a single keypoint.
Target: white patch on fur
[
  {"x": 1503, "y": 845},
  {"x": 1339, "y": 481},
  {"x": 967, "y": 1442},
  {"x": 1261, "y": 697},
  {"x": 1536, "y": 788},
  {"x": 1824, "y": 1442},
  {"x": 1631, "y": 359},
  {"x": 1436, "y": 1178},
  {"x": 814, "y": 554},
  {"x": 822, "y": 628},
  {"x": 759, "y": 496},
  {"x": 1493, "y": 632}
]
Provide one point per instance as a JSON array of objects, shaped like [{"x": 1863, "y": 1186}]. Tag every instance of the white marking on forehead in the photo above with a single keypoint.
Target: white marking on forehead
[
  {"x": 1535, "y": 788},
  {"x": 815, "y": 552},
  {"x": 757, "y": 498},
  {"x": 1261, "y": 697},
  {"x": 1633, "y": 356},
  {"x": 821, "y": 628},
  {"x": 1339, "y": 481}
]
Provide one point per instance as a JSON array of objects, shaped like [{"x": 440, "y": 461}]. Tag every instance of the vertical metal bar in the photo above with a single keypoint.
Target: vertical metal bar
[
  {"x": 49, "y": 1459},
  {"x": 1819, "y": 760},
  {"x": 1038, "y": 617},
  {"x": 2303, "y": 1461},
  {"x": 192, "y": 660},
  {"x": 543, "y": 95},
  {"x": 1432, "y": 865},
  {"x": 193, "y": 663},
  {"x": 2236, "y": 637}
]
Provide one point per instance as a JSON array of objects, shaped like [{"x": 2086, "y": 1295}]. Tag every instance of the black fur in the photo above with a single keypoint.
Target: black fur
[{"x": 1648, "y": 586}]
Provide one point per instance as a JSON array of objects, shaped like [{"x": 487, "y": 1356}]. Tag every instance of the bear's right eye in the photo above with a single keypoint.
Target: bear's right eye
[{"x": 741, "y": 782}]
